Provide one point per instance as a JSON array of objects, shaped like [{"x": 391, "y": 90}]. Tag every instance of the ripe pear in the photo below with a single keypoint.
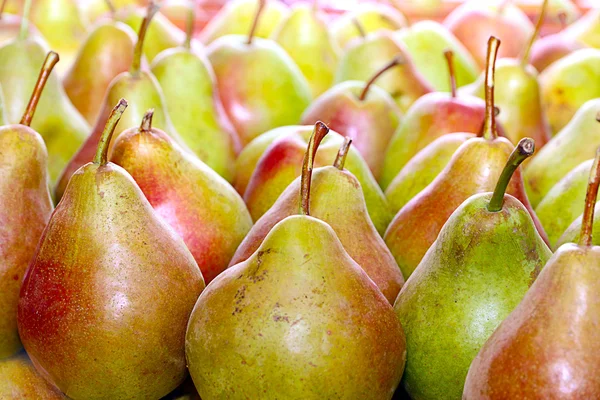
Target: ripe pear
[
  {"x": 572, "y": 233},
  {"x": 236, "y": 18},
  {"x": 10, "y": 25},
  {"x": 586, "y": 29},
  {"x": 560, "y": 311},
  {"x": 551, "y": 48},
  {"x": 106, "y": 52},
  {"x": 477, "y": 271},
  {"x": 567, "y": 149},
  {"x": 306, "y": 308},
  {"x": 182, "y": 189},
  {"x": 304, "y": 34},
  {"x": 20, "y": 380},
  {"x": 105, "y": 302},
  {"x": 364, "y": 57},
  {"x": 94, "y": 10},
  {"x": 26, "y": 208},
  {"x": 364, "y": 112}
]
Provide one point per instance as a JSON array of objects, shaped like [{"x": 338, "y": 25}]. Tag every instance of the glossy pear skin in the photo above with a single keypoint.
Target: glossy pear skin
[
  {"x": 20, "y": 380},
  {"x": 336, "y": 198},
  {"x": 253, "y": 99},
  {"x": 474, "y": 275},
  {"x": 26, "y": 208},
  {"x": 315, "y": 325},
  {"x": 574, "y": 144},
  {"x": 106, "y": 52},
  {"x": 370, "y": 123},
  {"x": 182, "y": 190},
  {"x": 432, "y": 116},
  {"x": 112, "y": 283},
  {"x": 560, "y": 311}
]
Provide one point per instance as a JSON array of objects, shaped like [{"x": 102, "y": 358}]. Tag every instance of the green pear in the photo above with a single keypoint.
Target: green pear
[
  {"x": 586, "y": 29},
  {"x": 484, "y": 260},
  {"x": 573, "y": 232},
  {"x": 93, "y": 10},
  {"x": 575, "y": 143},
  {"x": 20, "y": 380}
]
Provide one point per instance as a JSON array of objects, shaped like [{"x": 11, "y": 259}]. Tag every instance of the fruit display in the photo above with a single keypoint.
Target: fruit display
[{"x": 299, "y": 199}]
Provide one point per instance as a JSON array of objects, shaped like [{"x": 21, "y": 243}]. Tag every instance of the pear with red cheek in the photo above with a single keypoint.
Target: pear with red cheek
[
  {"x": 195, "y": 201},
  {"x": 105, "y": 302},
  {"x": 551, "y": 48},
  {"x": 364, "y": 112}
]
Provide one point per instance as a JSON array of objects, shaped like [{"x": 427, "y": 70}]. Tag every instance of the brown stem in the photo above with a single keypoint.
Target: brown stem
[
  {"x": 51, "y": 59},
  {"x": 101, "y": 156},
  {"x": 449, "y": 54},
  {"x": 489, "y": 127},
  {"x": 587, "y": 221},
  {"x": 190, "y": 25},
  {"x": 259, "y": 10},
  {"x": 2, "y": 5},
  {"x": 146, "y": 125},
  {"x": 359, "y": 27},
  {"x": 340, "y": 159},
  {"x": 139, "y": 46},
  {"x": 307, "y": 165},
  {"x": 395, "y": 61},
  {"x": 534, "y": 35},
  {"x": 562, "y": 19},
  {"x": 111, "y": 7}
]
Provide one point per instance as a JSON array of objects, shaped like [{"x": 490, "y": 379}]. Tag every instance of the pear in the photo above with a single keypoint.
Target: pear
[
  {"x": 236, "y": 18},
  {"x": 253, "y": 99},
  {"x": 110, "y": 282},
  {"x": 568, "y": 83},
  {"x": 366, "y": 18},
  {"x": 560, "y": 311},
  {"x": 26, "y": 208},
  {"x": 304, "y": 34},
  {"x": 10, "y": 25},
  {"x": 2, "y": 116},
  {"x": 586, "y": 29},
  {"x": 363, "y": 58},
  {"x": 19, "y": 380},
  {"x": 182, "y": 189},
  {"x": 473, "y": 169},
  {"x": 551, "y": 48},
  {"x": 572, "y": 233},
  {"x": 93, "y": 10},
  {"x": 477, "y": 271},
  {"x": 364, "y": 112},
  {"x": 570, "y": 147},
  {"x": 336, "y": 198},
  {"x": 105, "y": 53},
  {"x": 307, "y": 309}
]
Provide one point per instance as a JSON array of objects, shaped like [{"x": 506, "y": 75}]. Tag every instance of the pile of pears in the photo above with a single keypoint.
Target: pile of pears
[{"x": 265, "y": 201}]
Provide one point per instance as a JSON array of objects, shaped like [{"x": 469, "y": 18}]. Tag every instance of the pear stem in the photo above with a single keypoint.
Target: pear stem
[
  {"x": 138, "y": 51},
  {"x": 587, "y": 221},
  {"x": 524, "y": 150},
  {"x": 359, "y": 27},
  {"x": 190, "y": 25},
  {"x": 449, "y": 54},
  {"x": 489, "y": 125},
  {"x": 259, "y": 10},
  {"x": 2, "y": 5},
  {"x": 340, "y": 159},
  {"x": 534, "y": 35},
  {"x": 395, "y": 61},
  {"x": 111, "y": 7},
  {"x": 307, "y": 165},
  {"x": 146, "y": 125},
  {"x": 51, "y": 59},
  {"x": 562, "y": 18},
  {"x": 101, "y": 156},
  {"x": 24, "y": 29}
]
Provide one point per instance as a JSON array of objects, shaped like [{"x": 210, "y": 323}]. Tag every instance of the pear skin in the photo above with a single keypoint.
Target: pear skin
[{"x": 20, "y": 380}]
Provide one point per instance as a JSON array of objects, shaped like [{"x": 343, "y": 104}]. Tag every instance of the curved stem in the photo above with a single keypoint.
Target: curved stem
[
  {"x": 190, "y": 25},
  {"x": 534, "y": 35},
  {"x": 101, "y": 156},
  {"x": 2, "y": 5},
  {"x": 340, "y": 159},
  {"x": 111, "y": 7},
  {"x": 562, "y": 18},
  {"x": 449, "y": 54},
  {"x": 587, "y": 221},
  {"x": 307, "y": 165},
  {"x": 259, "y": 10},
  {"x": 24, "y": 30},
  {"x": 146, "y": 125},
  {"x": 51, "y": 59},
  {"x": 489, "y": 125},
  {"x": 138, "y": 51},
  {"x": 395, "y": 61},
  {"x": 359, "y": 27}
]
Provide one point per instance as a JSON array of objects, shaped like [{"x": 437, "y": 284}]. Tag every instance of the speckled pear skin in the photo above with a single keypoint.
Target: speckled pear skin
[
  {"x": 370, "y": 123},
  {"x": 474, "y": 275},
  {"x": 312, "y": 324},
  {"x": 106, "y": 52},
  {"x": 183, "y": 191},
  {"x": 20, "y": 380},
  {"x": 193, "y": 103},
  {"x": 26, "y": 208},
  {"x": 560, "y": 311},
  {"x": 253, "y": 98},
  {"x": 571, "y": 235},
  {"x": 423, "y": 168},
  {"x": 432, "y": 116},
  {"x": 104, "y": 305},
  {"x": 336, "y": 198}
]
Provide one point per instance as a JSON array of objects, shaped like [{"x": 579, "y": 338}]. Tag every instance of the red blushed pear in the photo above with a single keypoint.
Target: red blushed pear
[
  {"x": 26, "y": 208},
  {"x": 549, "y": 346},
  {"x": 334, "y": 196},
  {"x": 105, "y": 302},
  {"x": 474, "y": 168},
  {"x": 363, "y": 112},
  {"x": 553, "y": 47},
  {"x": 183, "y": 191}
]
